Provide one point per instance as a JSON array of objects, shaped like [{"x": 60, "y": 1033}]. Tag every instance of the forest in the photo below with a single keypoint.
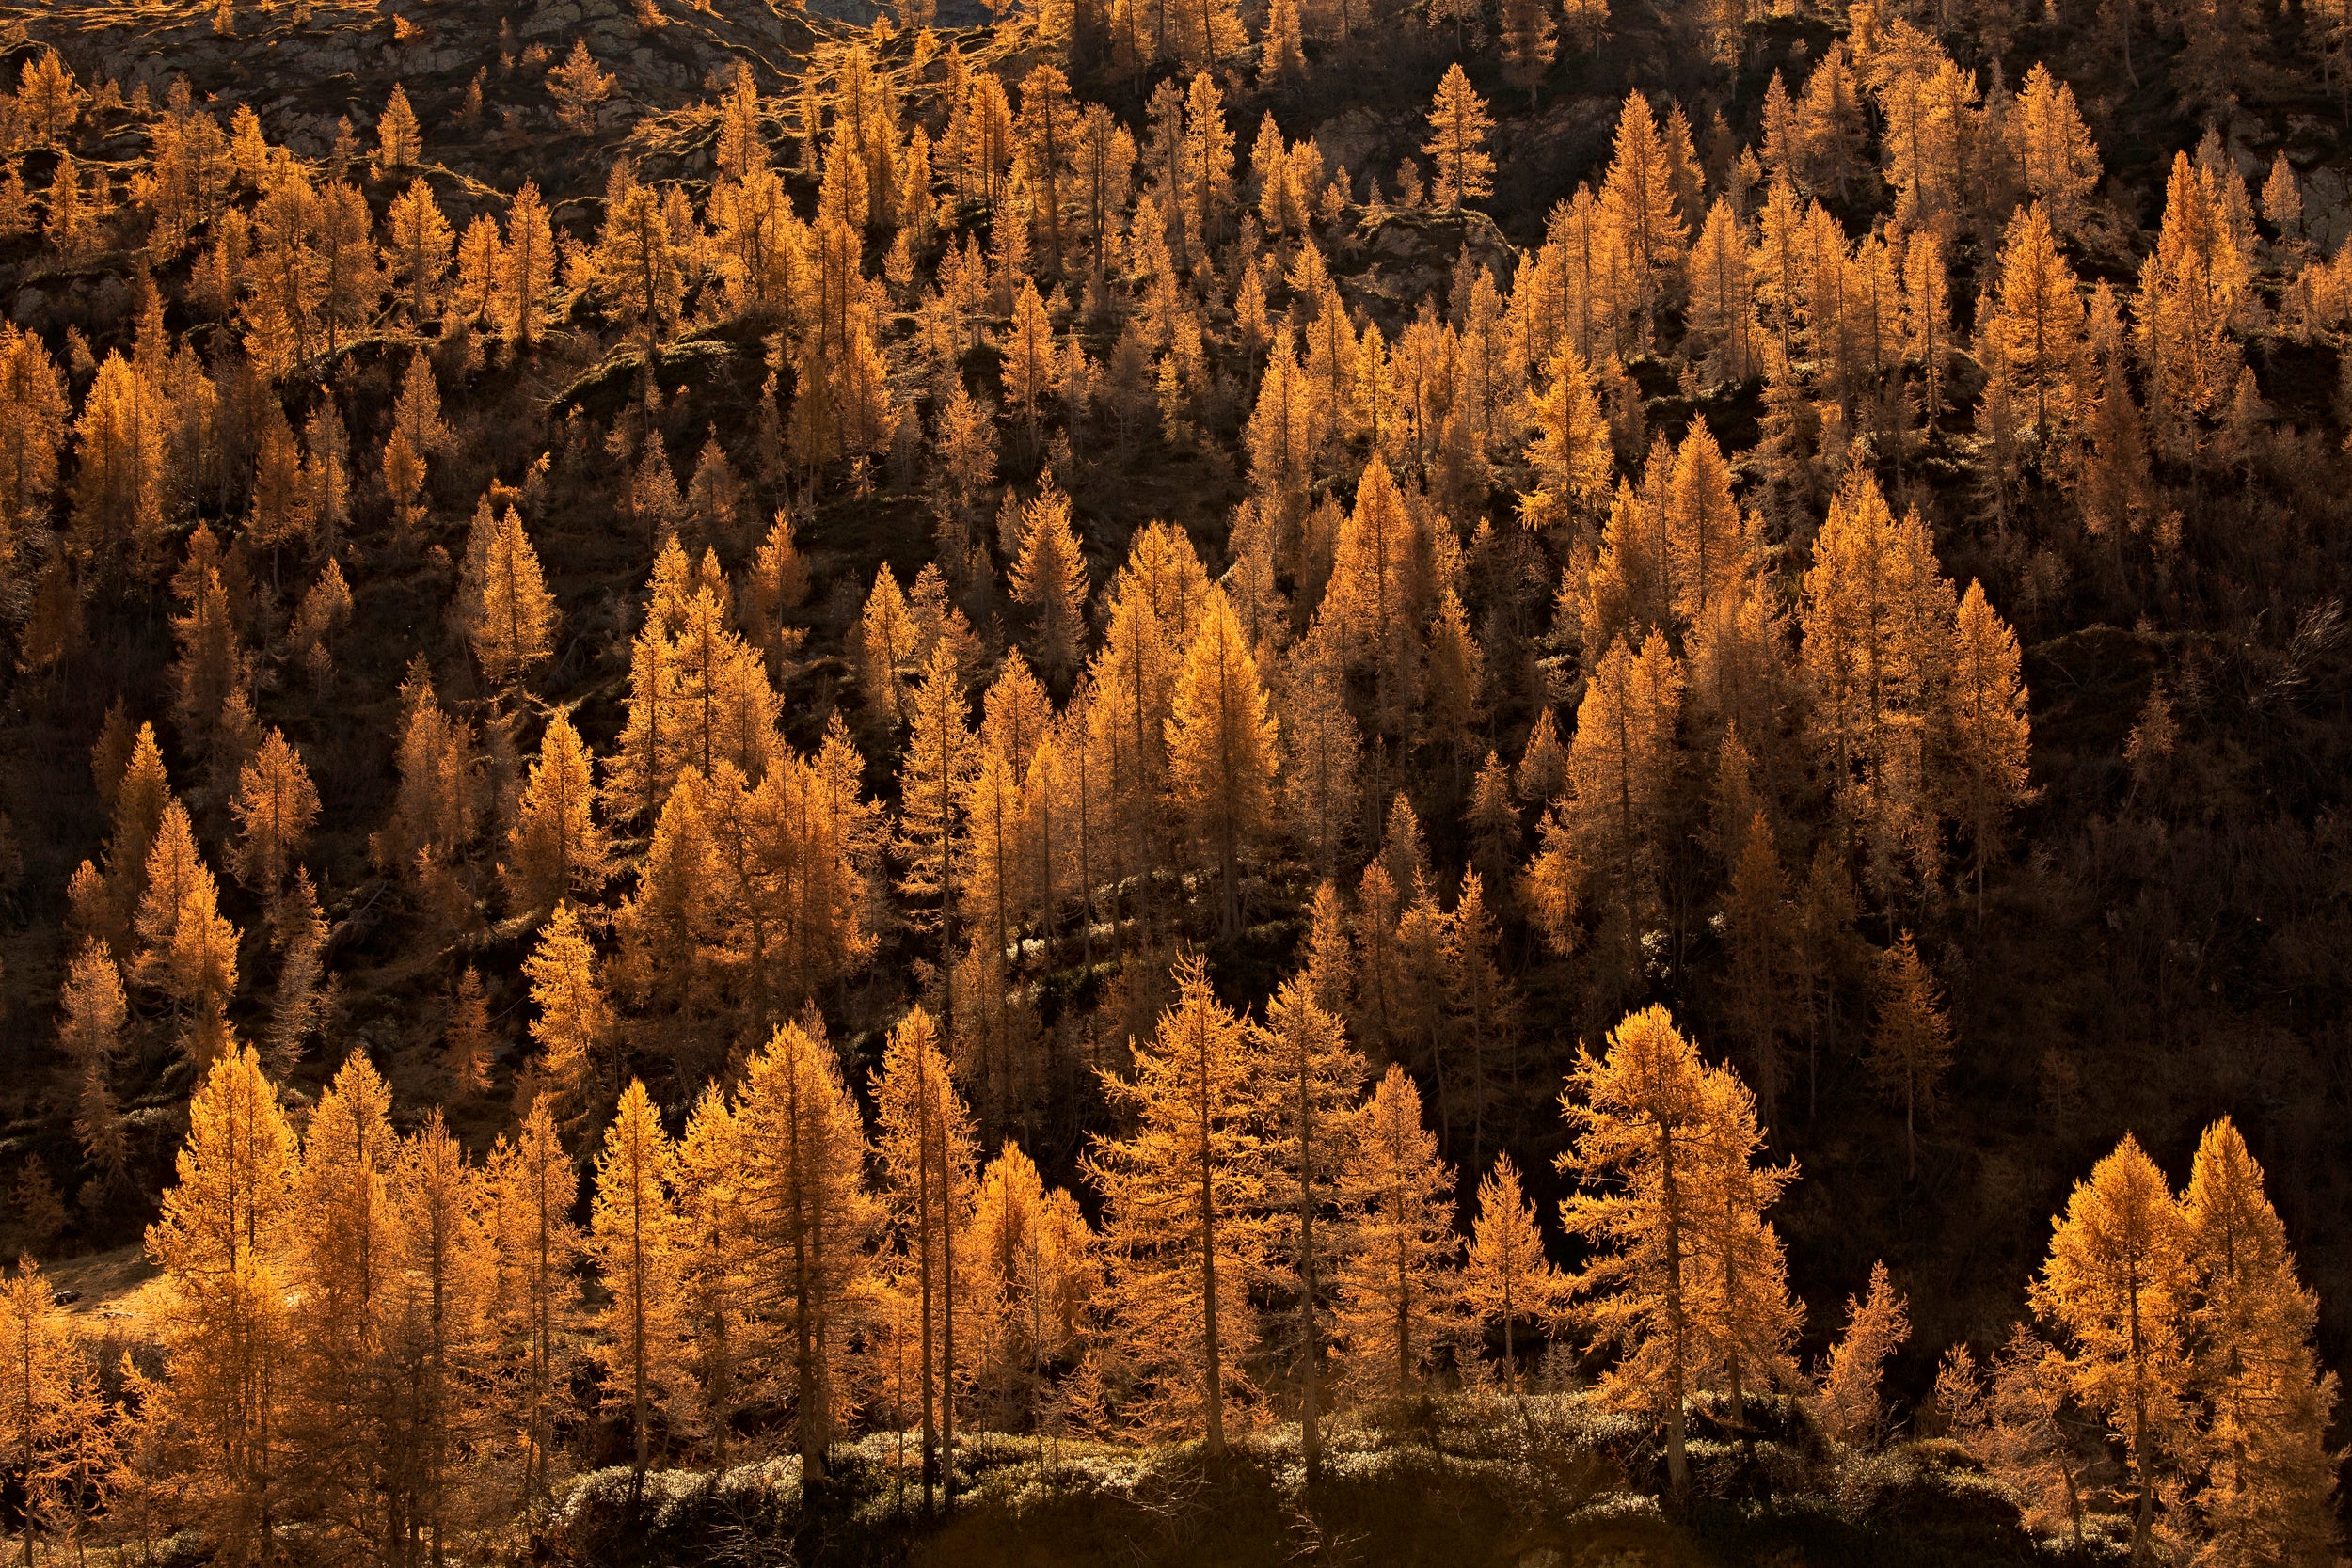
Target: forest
[{"x": 1117, "y": 781}]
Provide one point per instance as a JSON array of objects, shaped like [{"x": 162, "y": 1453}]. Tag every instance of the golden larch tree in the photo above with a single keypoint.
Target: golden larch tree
[
  {"x": 1221, "y": 753},
  {"x": 1640, "y": 1115},
  {"x": 1506, "y": 1279},
  {"x": 227, "y": 1335},
  {"x": 1184, "y": 1197},
  {"x": 1876, "y": 1324},
  {"x": 1396, "y": 1286},
  {"x": 929, "y": 1154},
  {"x": 556, "y": 849},
  {"x": 633, "y": 1237},
  {"x": 1911, "y": 1049},
  {"x": 1308, "y": 1082},
  {"x": 804, "y": 1219},
  {"x": 2264, "y": 1404},
  {"x": 1458, "y": 128},
  {"x": 2118, "y": 1282}
]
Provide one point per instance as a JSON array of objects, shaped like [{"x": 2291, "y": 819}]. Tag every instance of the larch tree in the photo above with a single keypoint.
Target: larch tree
[
  {"x": 929, "y": 1154},
  {"x": 2118, "y": 1282},
  {"x": 1876, "y": 1326},
  {"x": 1222, "y": 751},
  {"x": 2015, "y": 1419},
  {"x": 575, "y": 1022},
  {"x": 1910, "y": 1049},
  {"x": 1506, "y": 1279},
  {"x": 42, "y": 1371},
  {"x": 523, "y": 279},
  {"x": 578, "y": 87},
  {"x": 633, "y": 1237},
  {"x": 275, "y": 805},
  {"x": 1308, "y": 1082},
  {"x": 1458, "y": 128},
  {"x": 942, "y": 755},
  {"x": 804, "y": 1218},
  {"x": 2264, "y": 1404},
  {"x": 1570, "y": 455},
  {"x": 504, "y": 604},
  {"x": 1640, "y": 1115},
  {"x": 342, "y": 1427},
  {"x": 635, "y": 268},
  {"x": 533, "y": 1184},
  {"x": 1184, "y": 1197},
  {"x": 1747, "y": 1321},
  {"x": 1621, "y": 762},
  {"x": 1397, "y": 1285},
  {"x": 187, "y": 950},
  {"x": 93, "y": 1011},
  {"x": 1875, "y": 617},
  {"x": 1049, "y": 577},
  {"x": 556, "y": 849},
  {"x": 1986, "y": 735},
  {"x": 222, "y": 1245},
  {"x": 422, "y": 246}
]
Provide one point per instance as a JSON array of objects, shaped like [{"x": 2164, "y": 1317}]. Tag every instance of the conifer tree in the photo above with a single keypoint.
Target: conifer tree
[
  {"x": 1621, "y": 772},
  {"x": 1308, "y": 1082},
  {"x": 275, "y": 805},
  {"x": 1184, "y": 1197},
  {"x": 1396, "y": 1287},
  {"x": 41, "y": 1372},
  {"x": 422, "y": 246},
  {"x": 533, "y": 1184},
  {"x": 633, "y": 1237},
  {"x": 222, "y": 1245},
  {"x": 1458, "y": 128},
  {"x": 119, "y": 484},
  {"x": 1050, "y": 578},
  {"x": 503, "y": 603},
  {"x": 2118, "y": 1282},
  {"x": 1988, "y": 733},
  {"x": 343, "y": 1252},
  {"x": 1530, "y": 39},
  {"x": 941, "y": 758},
  {"x": 89, "y": 1033},
  {"x": 578, "y": 87},
  {"x": 1876, "y": 1326},
  {"x": 556, "y": 849},
  {"x": 187, "y": 951},
  {"x": 1874, "y": 617},
  {"x": 2269, "y": 1480},
  {"x": 1911, "y": 1049},
  {"x": 575, "y": 1022},
  {"x": 1221, "y": 746},
  {"x": 1570, "y": 455},
  {"x": 928, "y": 1154},
  {"x": 800, "y": 1159},
  {"x": 1640, "y": 1115},
  {"x": 1506, "y": 1279},
  {"x": 33, "y": 412}
]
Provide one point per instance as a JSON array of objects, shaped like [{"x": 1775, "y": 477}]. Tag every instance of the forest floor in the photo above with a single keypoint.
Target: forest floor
[{"x": 1549, "y": 1481}]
